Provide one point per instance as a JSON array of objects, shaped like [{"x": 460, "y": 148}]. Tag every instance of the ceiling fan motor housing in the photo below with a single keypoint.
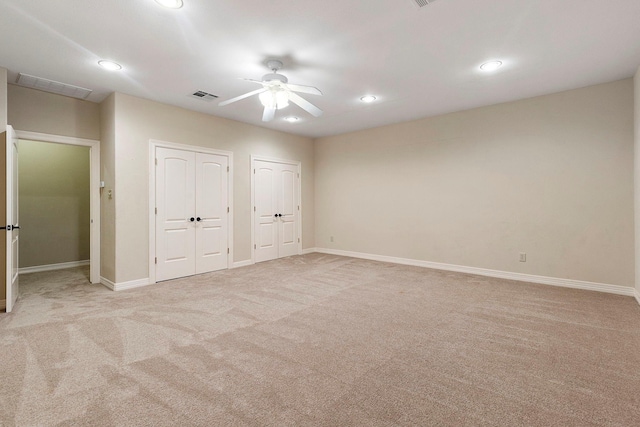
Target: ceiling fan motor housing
[{"x": 274, "y": 77}]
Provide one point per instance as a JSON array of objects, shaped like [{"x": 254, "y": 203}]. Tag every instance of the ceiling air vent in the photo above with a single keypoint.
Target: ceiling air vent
[
  {"x": 205, "y": 96},
  {"x": 52, "y": 86},
  {"x": 422, "y": 3}
]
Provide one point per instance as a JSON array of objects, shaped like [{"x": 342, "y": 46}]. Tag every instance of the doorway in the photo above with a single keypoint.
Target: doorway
[
  {"x": 66, "y": 204},
  {"x": 54, "y": 205}
]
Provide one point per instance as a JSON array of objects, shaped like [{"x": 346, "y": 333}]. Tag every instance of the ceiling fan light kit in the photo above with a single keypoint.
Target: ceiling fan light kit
[
  {"x": 274, "y": 98},
  {"x": 277, "y": 92}
]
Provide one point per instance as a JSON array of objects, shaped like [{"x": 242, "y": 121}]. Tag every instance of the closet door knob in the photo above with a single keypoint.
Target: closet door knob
[
  {"x": 192, "y": 219},
  {"x": 198, "y": 219}
]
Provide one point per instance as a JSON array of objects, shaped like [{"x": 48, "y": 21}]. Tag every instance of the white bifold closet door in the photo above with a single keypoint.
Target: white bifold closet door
[
  {"x": 192, "y": 213},
  {"x": 276, "y": 210}
]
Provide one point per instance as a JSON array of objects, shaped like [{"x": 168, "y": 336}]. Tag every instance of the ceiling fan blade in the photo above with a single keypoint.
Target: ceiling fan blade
[
  {"x": 305, "y": 105},
  {"x": 268, "y": 114},
  {"x": 238, "y": 98},
  {"x": 304, "y": 89},
  {"x": 253, "y": 81}
]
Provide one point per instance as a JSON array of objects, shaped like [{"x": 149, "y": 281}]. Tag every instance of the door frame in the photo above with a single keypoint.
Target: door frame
[
  {"x": 155, "y": 143},
  {"x": 94, "y": 190},
  {"x": 298, "y": 165}
]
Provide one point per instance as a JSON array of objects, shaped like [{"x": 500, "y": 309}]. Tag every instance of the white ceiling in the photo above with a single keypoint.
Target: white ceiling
[{"x": 419, "y": 62}]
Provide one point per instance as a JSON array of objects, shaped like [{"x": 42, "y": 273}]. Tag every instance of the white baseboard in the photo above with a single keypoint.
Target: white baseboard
[
  {"x": 637, "y": 295},
  {"x": 124, "y": 285},
  {"x": 244, "y": 263},
  {"x": 108, "y": 283},
  {"x": 51, "y": 267},
  {"x": 248, "y": 262},
  {"x": 544, "y": 280}
]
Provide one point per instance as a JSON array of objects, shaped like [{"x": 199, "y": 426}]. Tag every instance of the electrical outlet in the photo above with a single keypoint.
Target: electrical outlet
[
  {"x": 331, "y": 239},
  {"x": 523, "y": 257}
]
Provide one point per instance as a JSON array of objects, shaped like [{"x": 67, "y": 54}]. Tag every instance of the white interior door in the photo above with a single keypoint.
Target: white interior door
[
  {"x": 276, "y": 207},
  {"x": 287, "y": 193},
  {"x": 175, "y": 216},
  {"x": 266, "y": 209},
  {"x": 212, "y": 211},
  {"x": 12, "y": 215}
]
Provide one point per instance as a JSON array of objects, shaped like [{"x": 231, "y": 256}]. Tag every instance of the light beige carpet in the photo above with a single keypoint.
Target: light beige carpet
[{"x": 318, "y": 340}]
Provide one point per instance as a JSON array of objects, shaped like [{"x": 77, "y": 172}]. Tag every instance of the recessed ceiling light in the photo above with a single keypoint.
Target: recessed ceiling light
[
  {"x": 368, "y": 98},
  {"x": 491, "y": 65},
  {"x": 291, "y": 119},
  {"x": 110, "y": 65},
  {"x": 171, "y": 4}
]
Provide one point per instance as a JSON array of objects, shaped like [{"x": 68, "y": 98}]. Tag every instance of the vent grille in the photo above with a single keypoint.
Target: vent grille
[
  {"x": 422, "y": 3},
  {"x": 205, "y": 96},
  {"x": 52, "y": 86}
]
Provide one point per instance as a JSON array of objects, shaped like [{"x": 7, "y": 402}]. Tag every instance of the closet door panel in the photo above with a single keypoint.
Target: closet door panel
[
  {"x": 287, "y": 193},
  {"x": 211, "y": 212},
  {"x": 175, "y": 199},
  {"x": 266, "y": 207}
]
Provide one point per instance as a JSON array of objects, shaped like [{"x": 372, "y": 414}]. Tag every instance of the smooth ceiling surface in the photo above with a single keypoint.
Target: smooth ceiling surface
[{"x": 418, "y": 61}]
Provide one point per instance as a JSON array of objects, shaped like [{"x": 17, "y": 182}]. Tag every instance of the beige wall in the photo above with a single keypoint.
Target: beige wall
[
  {"x": 37, "y": 111},
  {"x": 54, "y": 203},
  {"x": 636, "y": 115},
  {"x": 107, "y": 174},
  {"x": 138, "y": 120},
  {"x": 550, "y": 176}
]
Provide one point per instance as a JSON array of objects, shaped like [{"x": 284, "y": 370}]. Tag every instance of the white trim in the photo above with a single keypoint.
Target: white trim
[
  {"x": 309, "y": 251},
  {"x": 544, "y": 280},
  {"x": 153, "y": 144},
  {"x": 58, "y": 139},
  {"x": 637, "y": 295},
  {"x": 124, "y": 285},
  {"x": 108, "y": 283},
  {"x": 51, "y": 267},
  {"x": 94, "y": 185},
  {"x": 296, "y": 163},
  {"x": 244, "y": 263}
]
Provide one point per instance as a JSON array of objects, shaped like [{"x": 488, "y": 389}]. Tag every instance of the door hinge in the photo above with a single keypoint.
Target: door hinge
[
  {"x": 227, "y": 250},
  {"x": 298, "y": 207},
  {"x": 298, "y": 240},
  {"x": 227, "y": 209},
  {"x": 254, "y": 171},
  {"x": 298, "y": 175},
  {"x": 254, "y": 208},
  {"x": 156, "y": 161},
  {"x": 156, "y": 211},
  {"x": 227, "y": 168},
  {"x": 254, "y": 247},
  {"x": 156, "y": 260}
]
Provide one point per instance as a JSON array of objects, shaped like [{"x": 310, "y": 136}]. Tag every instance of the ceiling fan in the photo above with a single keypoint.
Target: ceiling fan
[{"x": 276, "y": 93}]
